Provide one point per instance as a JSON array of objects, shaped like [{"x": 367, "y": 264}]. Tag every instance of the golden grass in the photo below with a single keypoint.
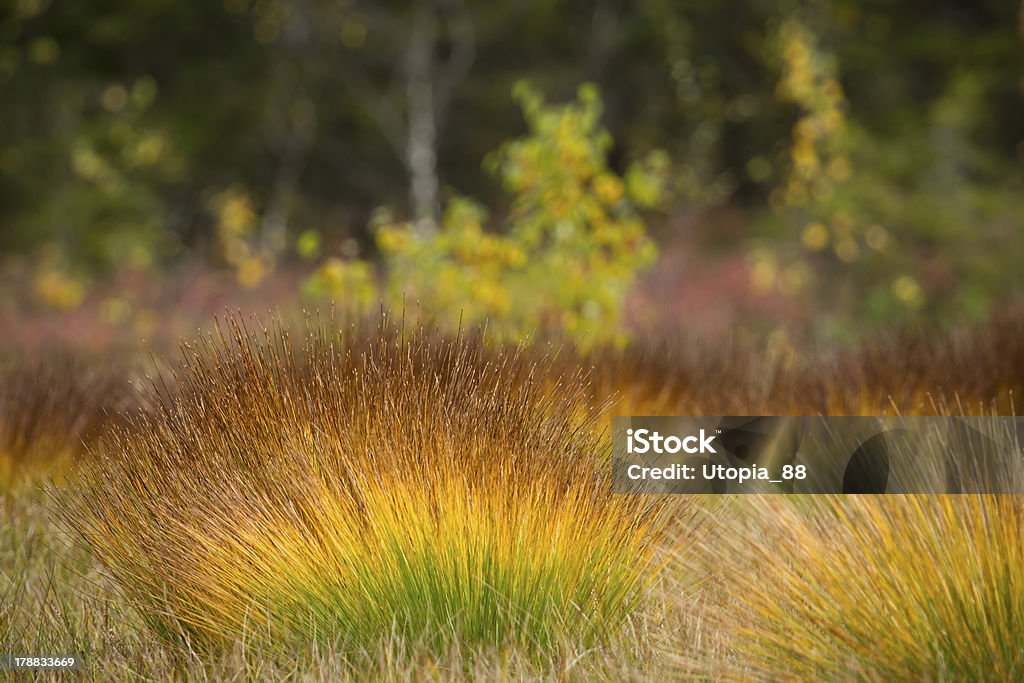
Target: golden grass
[
  {"x": 364, "y": 485},
  {"x": 898, "y": 588}
]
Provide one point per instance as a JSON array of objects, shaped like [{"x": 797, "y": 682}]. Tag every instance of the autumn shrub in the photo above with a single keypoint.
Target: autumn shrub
[
  {"x": 872, "y": 229},
  {"x": 346, "y": 487},
  {"x": 564, "y": 257}
]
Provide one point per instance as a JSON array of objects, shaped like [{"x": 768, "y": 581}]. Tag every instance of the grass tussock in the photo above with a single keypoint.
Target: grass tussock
[
  {"x": 898, "y": 588},
  {"x": 355, "y": 486},
  {"x": 51, "y": 411}
]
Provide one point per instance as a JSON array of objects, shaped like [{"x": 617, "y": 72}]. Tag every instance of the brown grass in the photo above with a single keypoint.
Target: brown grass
[
  {"x": 915, "y": 372},
  {"x": 51, "y": 411}
]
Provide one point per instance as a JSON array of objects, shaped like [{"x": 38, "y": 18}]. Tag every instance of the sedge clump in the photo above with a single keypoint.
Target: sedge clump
[
  {"x": 349, "y": 487},
  {"x": 896, "y": 588}
]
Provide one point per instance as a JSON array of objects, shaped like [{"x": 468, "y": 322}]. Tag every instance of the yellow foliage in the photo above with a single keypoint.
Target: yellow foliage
[
  {"x": 252, "y": 258},
  {"x": 570, "y": 250},
  {"x": 58, "y": 289},
  {"x": 907, "y": 291},
  {"x": 815, "y": 237}
]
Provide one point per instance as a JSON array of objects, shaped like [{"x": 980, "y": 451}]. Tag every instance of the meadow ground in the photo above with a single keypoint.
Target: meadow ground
[{"x": 377, "y": 503}]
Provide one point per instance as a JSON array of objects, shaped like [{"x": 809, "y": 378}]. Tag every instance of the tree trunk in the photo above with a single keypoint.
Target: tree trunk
[{"x": 421, "y": 142}]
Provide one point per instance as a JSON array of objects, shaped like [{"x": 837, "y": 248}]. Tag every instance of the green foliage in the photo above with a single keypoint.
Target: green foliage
[
  {"x": 565, "y": 256},
  {"x": 308, "y": 245}
]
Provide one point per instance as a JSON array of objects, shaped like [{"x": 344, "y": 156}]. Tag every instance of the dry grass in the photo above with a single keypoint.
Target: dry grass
[
  {"x": 915, "y": 372},
  {"x": 51, "y": 411}
]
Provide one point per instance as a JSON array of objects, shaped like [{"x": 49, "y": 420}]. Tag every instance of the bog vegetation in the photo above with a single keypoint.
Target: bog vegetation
[
  {"x": 382, "y": 499},
  {"x": 51, "y": 411}
]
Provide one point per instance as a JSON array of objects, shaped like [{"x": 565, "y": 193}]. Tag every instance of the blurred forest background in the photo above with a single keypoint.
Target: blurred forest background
[{"x": 600, "y": 168}]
